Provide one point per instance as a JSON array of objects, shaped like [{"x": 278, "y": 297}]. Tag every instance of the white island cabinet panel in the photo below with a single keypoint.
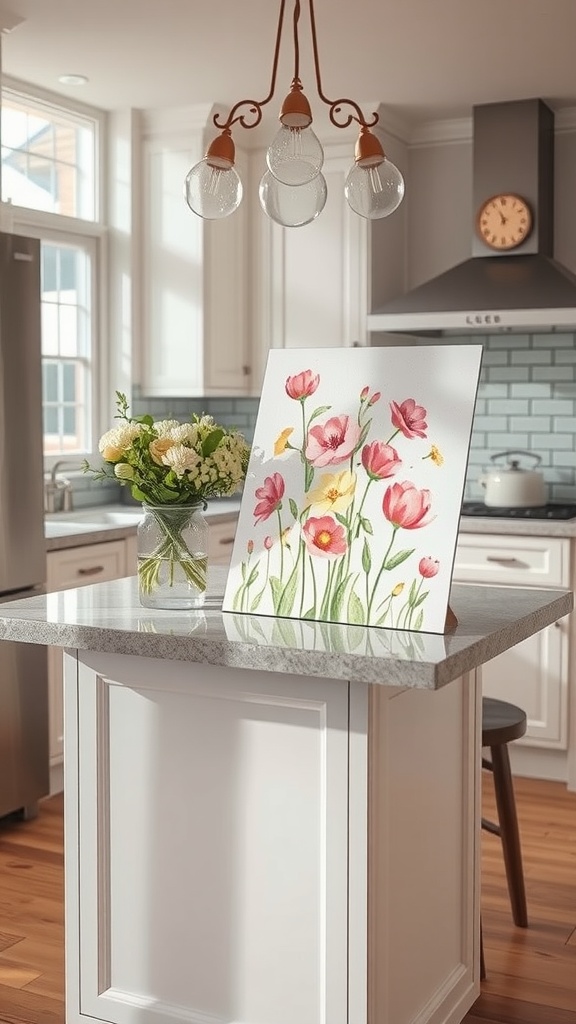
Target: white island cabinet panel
[{"x": 213, "y": 838}]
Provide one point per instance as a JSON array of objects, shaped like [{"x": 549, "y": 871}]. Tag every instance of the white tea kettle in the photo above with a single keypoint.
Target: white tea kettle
[{"x": 512, "y": 486}]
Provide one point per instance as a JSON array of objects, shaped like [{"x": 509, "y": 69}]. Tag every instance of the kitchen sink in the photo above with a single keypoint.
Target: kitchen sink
[{"x": 105, "y": 517}]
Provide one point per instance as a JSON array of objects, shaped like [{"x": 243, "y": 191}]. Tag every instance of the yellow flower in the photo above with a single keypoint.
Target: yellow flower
[
  {"x": 398, "y": 589},
  {"x": 436, "y": 455},
  {"x": 334, "y": 492},
  {"x": 282, "y": 440},
  {"x": 158, "y": 448}
]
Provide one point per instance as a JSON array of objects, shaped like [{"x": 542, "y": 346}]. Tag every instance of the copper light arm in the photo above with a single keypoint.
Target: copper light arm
[
  {"x": 255, "y": 105},
  {"x": 336, "y": 105}
]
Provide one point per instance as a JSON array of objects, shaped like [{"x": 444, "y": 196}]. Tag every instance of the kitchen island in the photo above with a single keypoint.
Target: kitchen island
[{"x": 271, "y": 821}]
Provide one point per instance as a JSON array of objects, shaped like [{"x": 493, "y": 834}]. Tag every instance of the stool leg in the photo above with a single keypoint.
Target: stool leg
[
  {"x": 509, "y": 834},
  {"x": 482, "y": 961}
]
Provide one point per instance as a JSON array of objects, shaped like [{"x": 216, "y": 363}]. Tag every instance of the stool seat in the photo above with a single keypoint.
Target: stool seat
[{"x": 501, "y": 722}]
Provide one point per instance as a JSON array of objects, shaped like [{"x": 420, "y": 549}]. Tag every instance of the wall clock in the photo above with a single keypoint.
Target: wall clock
[{"x": 504, "y": 221}]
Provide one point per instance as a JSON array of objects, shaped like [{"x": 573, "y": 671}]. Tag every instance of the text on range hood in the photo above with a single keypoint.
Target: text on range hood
[{"x": 513, "y": 151}]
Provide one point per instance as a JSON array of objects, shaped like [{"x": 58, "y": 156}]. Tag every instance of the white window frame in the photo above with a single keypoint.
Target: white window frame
[{"x": 52, "y": 227}]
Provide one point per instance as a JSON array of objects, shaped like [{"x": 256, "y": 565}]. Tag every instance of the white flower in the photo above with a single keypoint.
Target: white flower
[
  {"x": 123, "y": 471},
  {"x": 180, "y": 459},
  {"x": 114, "y": 444},
  {"x": 163, "y": 427}
]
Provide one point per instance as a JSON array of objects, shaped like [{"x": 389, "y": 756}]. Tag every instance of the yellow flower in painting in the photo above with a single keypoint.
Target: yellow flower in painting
[
  {"x": 334, "y": 492},
  {"x": 282, "y": 440},
  {"x": 435, "y": 455},
  {"x": 398, "y": 590}
]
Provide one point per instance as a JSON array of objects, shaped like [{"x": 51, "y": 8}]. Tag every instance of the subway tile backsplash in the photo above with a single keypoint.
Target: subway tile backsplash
[{"x": 526, "y": 401}]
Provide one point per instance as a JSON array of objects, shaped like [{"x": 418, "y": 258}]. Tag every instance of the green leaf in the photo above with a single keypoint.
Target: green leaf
[
  {"x": 366, "y": 557},
  {"x": 293, "y": 508},
  {"x": 310, "y": 614},
  {"x": 253, "y": 576},
  {"x": 421, "y": 598},
  {"x": 412, "y": 594},
  {"x": 276, "y": 588},
  {"x": 288, "y": 596},
  {"x": 337, "y": 603},
  {"x": 366, "y": 525},
  {"x": 146, "y": 420},
  {"x": 137, "y": 494},
  {"x": 211, "y": 441},
  {"x": 255, "y": 602},
  {"x": 341, "y": 519},
  {"x": 419, "y": 619},
  {"x": 356, "y": 612},
  {"x": 243, "y": 570},
  {"x": 398, "y": 558},
  {"x": 318, "y": 412}
]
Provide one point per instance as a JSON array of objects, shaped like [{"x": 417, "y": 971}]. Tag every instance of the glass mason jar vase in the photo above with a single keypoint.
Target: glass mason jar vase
[{"x": 172, "y": 556}]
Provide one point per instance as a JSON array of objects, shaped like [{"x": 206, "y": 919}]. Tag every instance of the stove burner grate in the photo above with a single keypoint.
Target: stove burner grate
[{"x": 552, "y": 511}]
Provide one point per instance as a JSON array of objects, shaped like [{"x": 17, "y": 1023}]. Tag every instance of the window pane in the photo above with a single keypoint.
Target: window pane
[
  {"x": 50, "y": 420},
  {"x": 69, "y": 383},
  {"x": 67, "y": 340},
  {"x": 69, "y": 421},
  {"x": 48, "y": 157},
  {"x": 50, "y": 382}
]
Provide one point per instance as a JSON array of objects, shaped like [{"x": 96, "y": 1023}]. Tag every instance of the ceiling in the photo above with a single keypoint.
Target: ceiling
[{"x": 423, "y": 59}]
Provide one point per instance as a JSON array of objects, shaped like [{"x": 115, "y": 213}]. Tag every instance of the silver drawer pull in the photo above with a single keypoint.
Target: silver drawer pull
[
  {"x": 226, "y": 540},
  {"x": 503, "y": 560},
  {"x": 92, "y": 571}
]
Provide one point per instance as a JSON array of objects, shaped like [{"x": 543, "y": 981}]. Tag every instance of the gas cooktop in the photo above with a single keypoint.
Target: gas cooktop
[{"x": 552, "y": 511}]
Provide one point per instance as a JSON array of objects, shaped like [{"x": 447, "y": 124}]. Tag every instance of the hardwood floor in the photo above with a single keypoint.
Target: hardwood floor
[{"x": 531, "y": 973}]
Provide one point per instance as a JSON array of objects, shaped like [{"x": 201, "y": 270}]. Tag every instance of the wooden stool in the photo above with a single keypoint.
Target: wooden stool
[{"x": 502, "y": 723}]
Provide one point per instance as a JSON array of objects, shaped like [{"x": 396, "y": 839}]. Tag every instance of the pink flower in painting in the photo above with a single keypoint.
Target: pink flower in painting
[
  {"x": 404, "y": 505},
  {"x": 332, "y": 442},
  {"x": 380, "y": 460},
  {"x": 301, "y": 385},
  {"x": 409, "y": 418},
  {"x": 268, "y": 543},
  {"x": 324, "y": 536},
  {"x": 364, "y": 393},
  {"x": 270, "y": 495},
  {"x": 428, "y": 567},
  {"x": 375, "y": 398}
]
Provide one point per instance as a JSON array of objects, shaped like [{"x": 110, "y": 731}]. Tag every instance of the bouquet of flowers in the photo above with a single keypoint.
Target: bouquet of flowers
[{"x": 174, "y": 468}]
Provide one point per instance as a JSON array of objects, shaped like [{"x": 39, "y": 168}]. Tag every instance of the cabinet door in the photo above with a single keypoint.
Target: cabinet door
[
  {"x": 213, "y": 841},
  {"x": 75, "y": 567},
  {"x": 312, "y": 286},
  {"x": 534, "y": 674}
]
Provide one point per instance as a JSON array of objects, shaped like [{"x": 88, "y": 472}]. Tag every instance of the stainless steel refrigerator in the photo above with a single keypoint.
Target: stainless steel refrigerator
[{"x": 24, "y": 768}]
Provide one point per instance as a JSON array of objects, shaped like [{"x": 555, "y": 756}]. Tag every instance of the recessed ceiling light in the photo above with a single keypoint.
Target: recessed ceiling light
[{"x": 72, "y": 79}]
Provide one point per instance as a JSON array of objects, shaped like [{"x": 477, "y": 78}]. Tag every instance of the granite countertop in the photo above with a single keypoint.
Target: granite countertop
[
  {"x": 108, "y": 617},
  {"x": 114, "y": 522}
]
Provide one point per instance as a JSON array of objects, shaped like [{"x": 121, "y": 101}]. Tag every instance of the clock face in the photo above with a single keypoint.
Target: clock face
[{"x": 504, "y": 221}]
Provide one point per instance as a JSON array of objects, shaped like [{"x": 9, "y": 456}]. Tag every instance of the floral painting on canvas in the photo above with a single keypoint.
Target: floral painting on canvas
[{"x": 352, "y": 498}]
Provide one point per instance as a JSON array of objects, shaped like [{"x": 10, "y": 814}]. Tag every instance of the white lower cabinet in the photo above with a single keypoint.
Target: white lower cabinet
[
  {"x": 252, "y": 846},
  {"x": 535, "y": 674},
  {"x": 75, "y": 567}
]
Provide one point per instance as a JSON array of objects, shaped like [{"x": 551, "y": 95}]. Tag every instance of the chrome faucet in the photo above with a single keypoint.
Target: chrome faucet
[{"x": 55, "y": 486}]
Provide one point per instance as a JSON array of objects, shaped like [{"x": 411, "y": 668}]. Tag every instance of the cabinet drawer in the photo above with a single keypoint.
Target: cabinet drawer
[
  {"x": 93, "y": 563},
  {"x": 221, "y": 542},
  {"x": 516, "y": 561}
]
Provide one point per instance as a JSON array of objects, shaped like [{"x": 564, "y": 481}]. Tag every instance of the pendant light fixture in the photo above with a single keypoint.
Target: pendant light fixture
[{"x": 293, "y": 189}]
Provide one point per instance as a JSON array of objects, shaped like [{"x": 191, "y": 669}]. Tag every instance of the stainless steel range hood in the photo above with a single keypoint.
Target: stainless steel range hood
[{"x": 513, "y": 150}]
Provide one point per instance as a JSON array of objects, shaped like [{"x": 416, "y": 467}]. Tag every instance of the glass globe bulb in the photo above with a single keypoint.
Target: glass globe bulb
[
  {"x": 292, "y": 206},
  {"x": 295, "y": 155},
  {"x": 213, "y": 192},
  {"x": 374, "y": 192}
]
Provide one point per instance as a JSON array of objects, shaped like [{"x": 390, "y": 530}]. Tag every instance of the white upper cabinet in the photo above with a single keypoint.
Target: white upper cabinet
[{"x": 194, "y": 277}]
